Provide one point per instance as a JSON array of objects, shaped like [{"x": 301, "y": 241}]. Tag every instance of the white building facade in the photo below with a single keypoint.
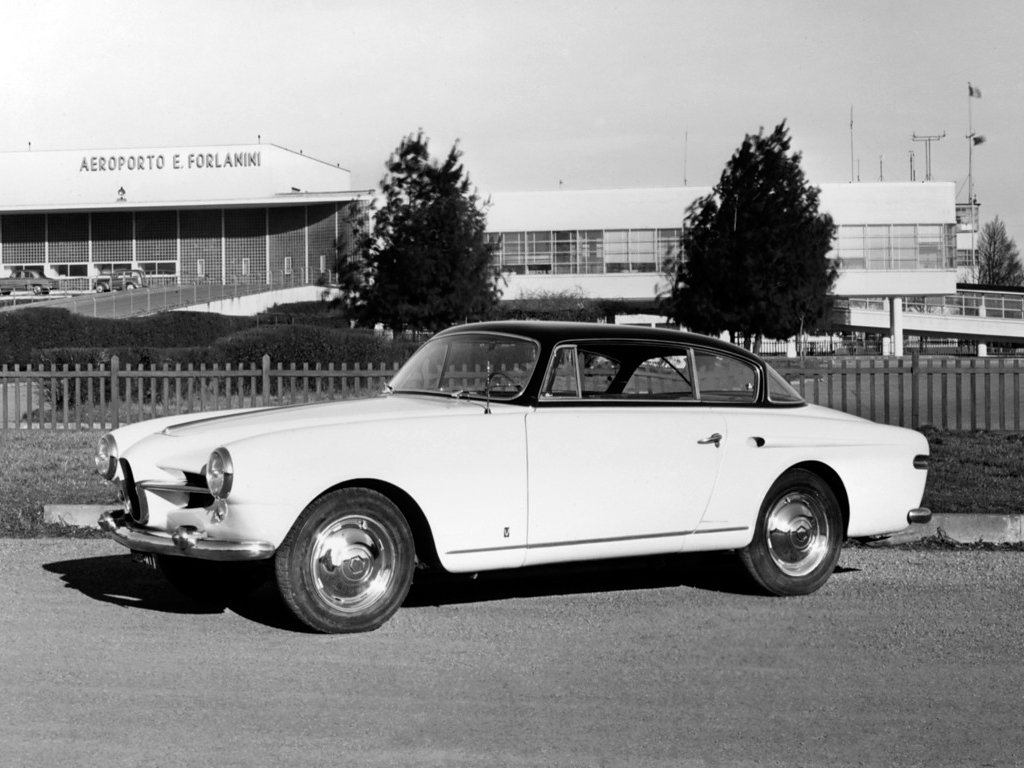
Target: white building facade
[{"x": 892, "y": 240}]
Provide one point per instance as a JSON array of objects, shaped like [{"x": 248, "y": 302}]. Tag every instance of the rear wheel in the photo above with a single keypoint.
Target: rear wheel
[
  {"x": 347, "y": 563},
  {"x": 798, "y": 535}
]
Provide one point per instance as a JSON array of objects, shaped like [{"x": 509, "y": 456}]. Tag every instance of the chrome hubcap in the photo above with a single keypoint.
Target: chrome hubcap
[
  {"x": 797, "y": 533},
  {"x": 352, "y": 562}
]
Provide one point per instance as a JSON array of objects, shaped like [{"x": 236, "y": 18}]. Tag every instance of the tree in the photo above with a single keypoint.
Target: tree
[
  {"x": 428, "y": 262},
  {"x": 998, "y": 256},
  {"x": 754, "y": 251}
]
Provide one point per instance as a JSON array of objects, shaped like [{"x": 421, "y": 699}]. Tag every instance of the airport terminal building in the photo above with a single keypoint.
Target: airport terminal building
[
  {"x": 262, "y": 214},
  {"x": 251, "y": 214}
]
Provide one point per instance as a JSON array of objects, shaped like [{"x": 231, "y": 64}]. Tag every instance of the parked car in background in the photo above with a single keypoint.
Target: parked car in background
[
  {"x": 22, "y": 279},
  {"x": 122, "y": 280},
  {"x": 510, "y": 444}
]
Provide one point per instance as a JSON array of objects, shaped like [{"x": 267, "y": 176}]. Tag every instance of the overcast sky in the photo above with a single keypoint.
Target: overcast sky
[{"x": 592, "y": 94}]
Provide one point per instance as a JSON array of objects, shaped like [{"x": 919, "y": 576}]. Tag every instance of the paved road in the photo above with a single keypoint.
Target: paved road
[{"x": 905, "y": 658}]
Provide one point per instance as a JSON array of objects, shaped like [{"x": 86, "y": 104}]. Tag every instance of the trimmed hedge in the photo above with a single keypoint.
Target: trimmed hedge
[
  {"x": 27, "y": 335},
  {"x": 46, "y": 336}
]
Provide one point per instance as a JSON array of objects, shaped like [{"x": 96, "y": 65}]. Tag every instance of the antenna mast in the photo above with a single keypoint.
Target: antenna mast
[{"x": 928, "y": 152}]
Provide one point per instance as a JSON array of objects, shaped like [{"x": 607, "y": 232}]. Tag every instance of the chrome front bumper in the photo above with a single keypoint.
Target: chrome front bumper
[{"x": 184, "y": 540}]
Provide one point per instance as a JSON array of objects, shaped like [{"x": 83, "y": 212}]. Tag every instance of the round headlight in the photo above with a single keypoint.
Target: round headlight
[
  {"x": 219, "y": 471},
  {"x": 106, "y": 457}
]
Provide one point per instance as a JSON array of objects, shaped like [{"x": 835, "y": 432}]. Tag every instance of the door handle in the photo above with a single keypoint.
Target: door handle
[{"x": 715, "y": 438}]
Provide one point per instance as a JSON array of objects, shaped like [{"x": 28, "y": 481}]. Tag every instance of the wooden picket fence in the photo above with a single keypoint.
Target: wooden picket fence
[
  {"x": 108, "y": 396},
  {"x": 943, "y": 392},
  {"x": 947, "y": 393}
]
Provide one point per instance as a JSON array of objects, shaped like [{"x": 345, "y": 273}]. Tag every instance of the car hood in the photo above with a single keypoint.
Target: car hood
[
  {"x": 238, "y": 425},
  {"x": 169, "y": 448}
]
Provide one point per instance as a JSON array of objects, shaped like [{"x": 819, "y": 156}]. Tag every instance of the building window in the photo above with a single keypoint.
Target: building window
[
  {"x": 642, "y": 252},
  {"x": 538, "y": 252},
  {"x": 112, "y": 237},
  {"x": 162, "y": 268},
  {"x": 591, "y": 250},
  {"x": 24, "y": 239},
  {"x": 512, "y": 254},
  {"x": 245, "y": 237},
  {"x": 245, "y": 267},
  {"x": 669, "y": 246},
  {"x": 71, "y": 270},
  {"x": 287, "y": 265},
  {"x": 69, "y": 237},
  {"x": 616, "y": 250},
  {"x": 565, "y": 253},
  {"x": 201, "y": 240},
  {"x": 895, "y": 246}
]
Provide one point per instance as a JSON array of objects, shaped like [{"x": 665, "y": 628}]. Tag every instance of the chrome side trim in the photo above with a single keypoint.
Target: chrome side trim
[
  {"x": 185, "y": 540},
  {"x": 173, "y": 488},
  {"x": 609, "y": 540}
]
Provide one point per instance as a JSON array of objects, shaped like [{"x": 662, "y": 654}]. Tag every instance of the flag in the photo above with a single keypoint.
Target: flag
[
  {"x": 978, "y": 140},
  {"x": 972, "y": 92}
]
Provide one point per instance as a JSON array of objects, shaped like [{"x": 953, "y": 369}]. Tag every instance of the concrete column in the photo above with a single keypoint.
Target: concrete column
[
  {"x": 896, "y": 325},
  {"x": 791, "y": 348},
  {"x": 982, "y": 349}
]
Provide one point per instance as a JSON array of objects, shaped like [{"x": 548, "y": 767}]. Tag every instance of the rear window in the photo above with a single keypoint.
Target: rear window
[
  {"x": 780, "y": 390},
  {"x": 724, "y": 379}
]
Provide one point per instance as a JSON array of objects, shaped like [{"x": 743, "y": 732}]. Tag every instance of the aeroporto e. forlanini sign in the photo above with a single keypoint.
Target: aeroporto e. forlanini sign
[
  {"x": 175, "y": 161},
  {"x": 121, "y": 177}
]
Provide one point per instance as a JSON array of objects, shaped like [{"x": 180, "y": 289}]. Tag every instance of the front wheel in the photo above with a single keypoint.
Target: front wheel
[
  {"x": 798, "y": 535},
  {"x": 347, "y": 563}
]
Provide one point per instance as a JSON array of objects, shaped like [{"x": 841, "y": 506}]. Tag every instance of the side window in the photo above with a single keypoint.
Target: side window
[
  {"x": 597, "y": 372},
  {"x": 724, "y": 379},
  {"x": 561, "y": 379},
  {"x": 665, "y": 377}
]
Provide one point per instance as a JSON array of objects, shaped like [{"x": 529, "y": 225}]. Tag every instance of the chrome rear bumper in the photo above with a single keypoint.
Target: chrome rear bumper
[
  {"x": 184, "y": 540},
  {"x": 919, "y": 515}
]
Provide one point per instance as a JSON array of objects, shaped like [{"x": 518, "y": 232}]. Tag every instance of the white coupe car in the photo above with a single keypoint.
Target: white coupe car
[{"x": 507, "y": 445}]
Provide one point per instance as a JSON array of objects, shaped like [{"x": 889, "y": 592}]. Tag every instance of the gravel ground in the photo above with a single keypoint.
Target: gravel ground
[{"x": 904, "y": 658}]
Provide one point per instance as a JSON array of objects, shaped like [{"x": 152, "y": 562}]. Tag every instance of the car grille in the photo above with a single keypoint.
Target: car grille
[{"x": 194, "y": 485}]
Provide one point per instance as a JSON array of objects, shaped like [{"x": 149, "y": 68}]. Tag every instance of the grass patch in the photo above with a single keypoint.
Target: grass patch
[
  {"x": 47, "y": 466},
  {"x": 971, "y": 472},
  {"x": 975, "y": 472}
]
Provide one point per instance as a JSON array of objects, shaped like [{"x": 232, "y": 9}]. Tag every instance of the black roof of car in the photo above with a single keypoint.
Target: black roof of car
[{"x": 549, "y": 333}]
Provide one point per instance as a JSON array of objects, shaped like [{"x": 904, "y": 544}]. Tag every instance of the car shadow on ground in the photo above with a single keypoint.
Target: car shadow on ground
[
  {"x": 119, "y": 580},
  {"x": 712, "y": 572}
]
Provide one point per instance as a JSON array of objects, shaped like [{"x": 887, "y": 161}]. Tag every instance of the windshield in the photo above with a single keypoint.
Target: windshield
[{"x": 470, "y": 364}]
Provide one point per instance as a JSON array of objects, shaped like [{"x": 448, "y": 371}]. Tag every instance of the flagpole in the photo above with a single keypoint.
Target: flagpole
[{"x": 972, "y": 139}]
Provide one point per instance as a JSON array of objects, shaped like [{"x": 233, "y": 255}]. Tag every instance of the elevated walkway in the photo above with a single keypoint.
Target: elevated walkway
[
  {"x": 222, "y": 299},
  {"x": 979, "y": 315}
]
